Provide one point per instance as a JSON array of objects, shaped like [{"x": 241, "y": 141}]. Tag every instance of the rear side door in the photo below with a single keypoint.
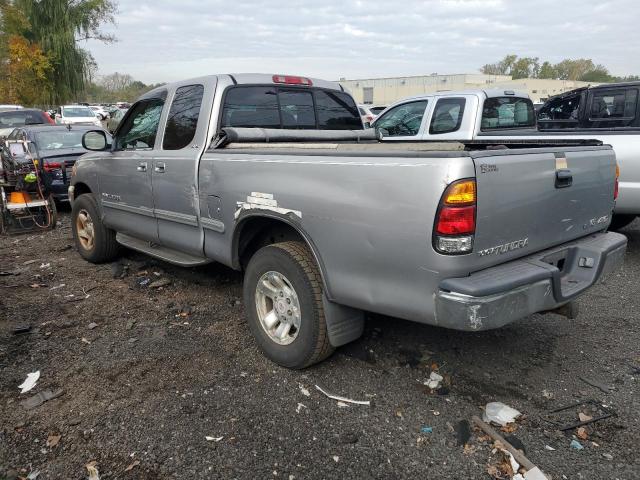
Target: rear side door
[
  {"x": 175, "y": 166},
  {"x": 124, "y": 174}
]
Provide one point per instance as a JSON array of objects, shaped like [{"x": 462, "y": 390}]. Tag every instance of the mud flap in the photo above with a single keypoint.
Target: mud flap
[{"x": 344, "y": 324}]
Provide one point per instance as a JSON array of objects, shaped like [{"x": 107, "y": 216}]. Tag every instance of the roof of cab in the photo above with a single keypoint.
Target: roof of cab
[{"x": 245, "y": 79}]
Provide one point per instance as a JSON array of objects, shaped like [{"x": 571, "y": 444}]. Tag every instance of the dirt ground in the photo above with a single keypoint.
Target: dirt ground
[{"x": 149, "y": 372}]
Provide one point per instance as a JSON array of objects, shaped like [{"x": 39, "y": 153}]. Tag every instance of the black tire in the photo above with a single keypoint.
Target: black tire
[
  {"x": 295, "y": 261},
  {"x": 105, "y": 248},
  {"x": 621, "y": 221}
]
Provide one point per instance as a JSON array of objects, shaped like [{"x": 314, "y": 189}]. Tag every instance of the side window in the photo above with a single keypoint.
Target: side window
[
  {"x": 447, "y": 115},
  {"x": 296, "y": 109},
  {"x": 251, "y": 107},
  {"x": 403, "y": 120},
  {"x": 183, "y": 117},
  {"x": 507, "y": 112},
  {"x": 141, "y": 125},
  {"x": 560, "y": 113},
  {"x": 615, "y": 108},
  {"x": 337, "y": 111}
]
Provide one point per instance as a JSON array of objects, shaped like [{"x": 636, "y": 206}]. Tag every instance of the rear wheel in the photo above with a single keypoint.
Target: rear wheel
[
  {"x": 621, "y": 221},
  {"x": 95, "y": 242},
  {"x": 283, "y": 300}
]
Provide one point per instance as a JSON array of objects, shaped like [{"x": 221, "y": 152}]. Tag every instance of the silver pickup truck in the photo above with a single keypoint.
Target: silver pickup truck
[{"x": 329, "y": 224}]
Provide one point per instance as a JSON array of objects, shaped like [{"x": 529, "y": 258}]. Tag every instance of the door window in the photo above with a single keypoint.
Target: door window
[
  {"x": 560, "y": 113},
  {"x": 183, "y": 117},
  {"x": 403, "y": 120},
  {"x": 140, "y": 126},
  {"x": 447, "y": 115},
  {"x": 615, "y": 108}
]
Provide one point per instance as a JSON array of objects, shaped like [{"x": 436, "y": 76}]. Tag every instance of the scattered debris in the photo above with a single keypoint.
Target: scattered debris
[
  {"x": 598, "y": 385},
  {"x": 336, "y": 458},
  {"x": 576, "y": 445},
  {"x": 581, "y": 433},
  {"x": 426, "y": 430},
  {"x": 304, "y": 391},
  {"x": 300, "y": 407},
  {"x": 434, "y": 381},
  {"x": 518, "y": 456},
  {"x": 33, "y": 475},
  {"x": 463, "y": 432},
  {"x": 342, "y": 404},
  {"x": 343, "y": 399},
  {"x": 584, "y": 418},
  {"x": 500, "y": 414},
  {"x": 57, "y": 287},
  {"x": 29, "y": 262},
  {"x": 21, "y": 329},
  {"x": 132, "y": 466},
  {"x": 93, "y": 470},
  {"x": 607, "y": 456},
  {"x": 213, "y": 439},
  {"x": 92, "y": 325},
  {"x": 40, "y": 398},
  {"x": 547, "y": 394},
  {"x": 30, "y": 382},
  {"x": 45, "y": 265},
  {"x": 160, "y": 283},
  {"x": 85, "y": 340},
  {"x": 550, "y": 448},
  {"x": 53, "y": 440}
]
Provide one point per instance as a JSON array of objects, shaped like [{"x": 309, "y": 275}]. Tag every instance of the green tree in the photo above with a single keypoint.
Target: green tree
[
  {"x": 525, "y": 67},
  {"x": 547, "y": 71},
  {"x": 598, "y": 74},
  {"x": 57, "y": 26},
  {"x": 503, "y": 67}
]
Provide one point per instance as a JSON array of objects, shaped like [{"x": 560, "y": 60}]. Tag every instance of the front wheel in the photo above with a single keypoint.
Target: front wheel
[
  {"x": 283, "y": 300},
  {"x": 95, "y": 242}
]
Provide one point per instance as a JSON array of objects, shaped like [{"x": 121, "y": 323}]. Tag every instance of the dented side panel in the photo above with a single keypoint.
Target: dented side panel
[{"x": 369, "y": 219}]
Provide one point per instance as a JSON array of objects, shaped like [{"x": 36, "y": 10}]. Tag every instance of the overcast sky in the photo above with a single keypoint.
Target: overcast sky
[{"x": 165, "y": 40}]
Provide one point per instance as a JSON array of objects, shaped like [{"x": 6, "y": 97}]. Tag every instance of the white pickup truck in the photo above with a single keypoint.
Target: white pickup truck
[{"x": 609, "y": 113}]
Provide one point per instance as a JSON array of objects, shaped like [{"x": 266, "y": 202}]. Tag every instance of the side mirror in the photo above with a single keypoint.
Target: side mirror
[{"x": 95, "y": 140}]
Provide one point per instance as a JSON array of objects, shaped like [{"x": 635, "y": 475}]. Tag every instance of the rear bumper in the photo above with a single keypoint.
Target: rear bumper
[{"x": 547, "y": 280}]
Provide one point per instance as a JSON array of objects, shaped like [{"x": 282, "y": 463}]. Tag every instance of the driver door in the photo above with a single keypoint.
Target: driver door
[
  {"x": 126, "y": 193},
  {"x": 403, "y": 121}
]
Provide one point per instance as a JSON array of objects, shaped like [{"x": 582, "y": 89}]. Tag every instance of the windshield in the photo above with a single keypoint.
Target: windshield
[
  {"x": 77, "y": 112},
  {"x": 20, "y": 118},
  {"x": 59, "y": 139},
  {"x": 508, "y": 112}
]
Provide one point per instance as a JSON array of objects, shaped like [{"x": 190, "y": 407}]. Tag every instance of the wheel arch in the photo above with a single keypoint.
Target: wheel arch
[{"x": 256, "y": 230}]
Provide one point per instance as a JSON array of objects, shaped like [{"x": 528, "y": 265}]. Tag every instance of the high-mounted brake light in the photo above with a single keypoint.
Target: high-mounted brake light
[
  {"x": 455, "y": 223},
  {"x": 616, "y": 188},
  {"x": 291, "y": 80}
]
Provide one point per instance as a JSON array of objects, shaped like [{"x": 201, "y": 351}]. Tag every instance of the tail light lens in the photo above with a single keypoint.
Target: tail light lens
[
  {"x": 616, "y": 188},
  {"x": 455, "y": 223},
  {"x": 51, "y": 166}
]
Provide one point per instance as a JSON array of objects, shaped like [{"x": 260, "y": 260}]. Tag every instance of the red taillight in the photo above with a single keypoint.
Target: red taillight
[
  {"x": 291, "y": 80},
  {"x": 616, "y": 188},
  {"x": 455, "y": 224},
  {"x": 49, "y": 166},
  {"x": 457, "y": 221}
]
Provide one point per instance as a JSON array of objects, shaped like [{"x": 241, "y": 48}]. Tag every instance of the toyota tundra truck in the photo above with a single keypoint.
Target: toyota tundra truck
[{"x": 273, "y": 175}]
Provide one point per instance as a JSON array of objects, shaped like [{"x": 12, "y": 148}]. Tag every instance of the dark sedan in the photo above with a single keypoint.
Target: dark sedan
[{"x": 57, "y": 147}]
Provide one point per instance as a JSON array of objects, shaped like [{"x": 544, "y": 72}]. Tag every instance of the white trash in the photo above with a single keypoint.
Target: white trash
[{"x": 499, "y": 413}]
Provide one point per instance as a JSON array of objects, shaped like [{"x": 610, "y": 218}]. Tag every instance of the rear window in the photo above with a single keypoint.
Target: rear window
[
  {"x": 507, "y": 112},
  {"x": 279, "y": 107},
  {"x": 614, "y": 105},
  {"x": 19, "y": 118}
]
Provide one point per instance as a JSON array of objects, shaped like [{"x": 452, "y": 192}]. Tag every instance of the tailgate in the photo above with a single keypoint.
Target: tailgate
[{"x": 533, "y": 199}]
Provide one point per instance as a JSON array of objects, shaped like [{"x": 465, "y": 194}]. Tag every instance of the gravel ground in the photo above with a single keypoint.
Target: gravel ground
[{"x": 148, "y": 373}]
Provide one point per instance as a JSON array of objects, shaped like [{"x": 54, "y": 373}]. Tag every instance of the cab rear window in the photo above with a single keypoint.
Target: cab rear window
[
  {"x": 508, "y": 112},
  {"x": 285, "y": 107}
]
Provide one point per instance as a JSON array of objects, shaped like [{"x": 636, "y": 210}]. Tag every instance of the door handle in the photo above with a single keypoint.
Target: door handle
[
  {"x": 159, "y": 168},
  {"x": 564, "y": 178},
  {"x": 142, "y": 167}
]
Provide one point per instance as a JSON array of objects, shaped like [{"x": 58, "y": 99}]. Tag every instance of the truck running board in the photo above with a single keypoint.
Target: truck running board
[{"x": 163, "y": 253}]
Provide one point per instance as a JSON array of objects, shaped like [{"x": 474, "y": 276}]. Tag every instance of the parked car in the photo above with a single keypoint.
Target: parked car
[
  {"x": 610, "y": 113},
  {"x": 76, "y": 115},
  {"x": 328, "y": 224},
  {"x": 12, "y": 118},
  {"x": 366, "y": 114},
  {"x": 57, "y": 147},
  {"x": 115, "y": 117},
  {"x": 100, "y": 112},
  {"x": 10, "y": 107}
]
